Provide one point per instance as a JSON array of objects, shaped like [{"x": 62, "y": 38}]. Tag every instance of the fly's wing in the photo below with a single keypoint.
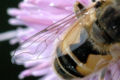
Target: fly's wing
[{"x": 41, "y": 45}]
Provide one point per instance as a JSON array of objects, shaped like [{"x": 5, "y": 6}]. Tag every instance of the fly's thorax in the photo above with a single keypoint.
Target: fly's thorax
[
  {"x": 106, "y": 29},
  {"x": 108, "y": 22}
]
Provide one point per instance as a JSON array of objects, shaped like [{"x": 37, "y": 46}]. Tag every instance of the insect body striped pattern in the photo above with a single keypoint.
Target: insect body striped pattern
[{"x": 76, "y": 59}]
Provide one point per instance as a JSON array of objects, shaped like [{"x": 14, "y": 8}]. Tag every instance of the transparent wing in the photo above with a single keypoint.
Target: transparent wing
[{"x": 41, "y": 45}]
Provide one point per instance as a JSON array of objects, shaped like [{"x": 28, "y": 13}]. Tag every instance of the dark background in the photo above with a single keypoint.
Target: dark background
[{"x": 8, "y": 70}]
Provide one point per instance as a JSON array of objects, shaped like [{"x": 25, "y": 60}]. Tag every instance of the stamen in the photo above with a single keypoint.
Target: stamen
[{"x": 8, "y": 35}]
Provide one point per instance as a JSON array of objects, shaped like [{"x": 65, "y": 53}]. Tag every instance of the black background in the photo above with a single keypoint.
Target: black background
[{"x": 8, "y": 71}]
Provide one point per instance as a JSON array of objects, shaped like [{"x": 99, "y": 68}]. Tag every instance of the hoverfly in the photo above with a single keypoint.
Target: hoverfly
[{"x": 85, "y": 39}]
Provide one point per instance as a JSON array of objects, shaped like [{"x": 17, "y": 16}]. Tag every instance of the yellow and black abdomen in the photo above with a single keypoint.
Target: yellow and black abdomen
[{"x": 67, "y": 68}]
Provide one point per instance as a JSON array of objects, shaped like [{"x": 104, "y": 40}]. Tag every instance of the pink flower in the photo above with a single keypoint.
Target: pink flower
[{"x": 38, "y": 15}]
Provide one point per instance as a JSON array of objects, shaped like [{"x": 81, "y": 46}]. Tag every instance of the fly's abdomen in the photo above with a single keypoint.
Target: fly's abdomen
[{"x": 65, "y": 66}]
